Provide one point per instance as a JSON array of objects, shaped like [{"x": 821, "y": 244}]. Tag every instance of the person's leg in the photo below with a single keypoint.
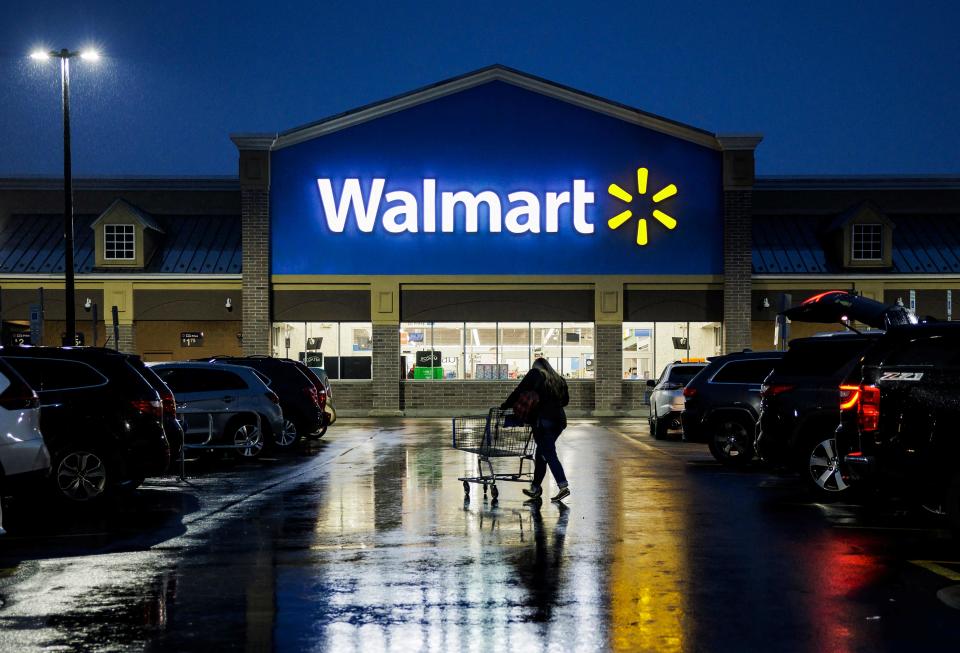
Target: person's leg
[
  {"x": 539, "y": 470},
  {"x": 547, "y": 447}
]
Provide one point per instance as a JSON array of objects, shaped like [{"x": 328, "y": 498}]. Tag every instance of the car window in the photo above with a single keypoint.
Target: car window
[
  {"x": 939, "y": 351},
  {"x": 822, "y": 357},
  {"x": 683, "y": 374},
  {"x": 184, "y": 380},
  {"x": 746, "y": 371},
  {"x": 48, "y": 374}
]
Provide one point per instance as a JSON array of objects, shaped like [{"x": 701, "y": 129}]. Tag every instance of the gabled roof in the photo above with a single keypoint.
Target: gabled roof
[
  {"x": 867, "y": 210},
  {"x": 470, "y": 80},
  {"x": 120, "y": 207}
]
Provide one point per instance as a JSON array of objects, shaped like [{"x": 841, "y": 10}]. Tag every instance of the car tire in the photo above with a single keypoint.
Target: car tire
[
  {"x": 731, "y": 441},
  {"x": 290, "y": 435},
  {"x": 244, "y": 431},
  {"x": 659, "y": 430},
  {"x": 822, "y": 470},
  {"x": 319, "y": 434},
  {"x": 82, "y": 475}
]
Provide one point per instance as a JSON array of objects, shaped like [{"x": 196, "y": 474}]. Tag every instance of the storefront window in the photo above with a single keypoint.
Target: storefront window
[
  {"x": 638, "y": 351},
  {"x": 448, "y": 341},
  {"x": 649, "y": 346},
  {"x": 577, "y": 350},
  {"x": 342, "y": 349},
  {"x": 545, "y": 342},
  {"x": 515, "y": 348},
  {"x": 416, "y": 345},
  {"x": 481, "y": 352}
]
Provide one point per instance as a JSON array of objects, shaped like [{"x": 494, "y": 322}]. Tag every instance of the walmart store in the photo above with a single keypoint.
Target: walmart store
[{"x": 425, "y": 249}]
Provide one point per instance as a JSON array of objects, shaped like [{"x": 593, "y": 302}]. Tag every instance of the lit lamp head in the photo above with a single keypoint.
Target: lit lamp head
[
  {"x": 90, "y": 55},
  {"x": 39, "y": 55}
]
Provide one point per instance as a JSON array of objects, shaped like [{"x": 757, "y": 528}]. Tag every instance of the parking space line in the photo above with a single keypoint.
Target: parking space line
[{"x": 936, "y": 566}]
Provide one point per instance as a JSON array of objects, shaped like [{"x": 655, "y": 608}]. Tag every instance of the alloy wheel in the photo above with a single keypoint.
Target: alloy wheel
[
  {"x": 733, "y": 441},
  {"x": 248, "y": 440},
  {"x": 825, "y": 468},
  {"x": 82, "y": 476},
  {"x": 287, "y": 435}
]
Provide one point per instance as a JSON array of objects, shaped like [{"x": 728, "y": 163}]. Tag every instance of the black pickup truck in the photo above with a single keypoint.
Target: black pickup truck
[{"x": 900, "y": 413}]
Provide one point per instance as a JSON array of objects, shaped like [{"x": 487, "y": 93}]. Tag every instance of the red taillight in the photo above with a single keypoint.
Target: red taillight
[
  {"x": 169, "y": 403},
  {"x": 311, "y": 392},
  {"x": 689, "y": 392},
  {"x": 849, "y": 396},
  {"x": 272, "y": 396},
  {"x": 19, "y": 399},
  {"x": 868, "y": 411},
  {"x": 148, "y": 407},
  {"x": 774, "y": 389}
]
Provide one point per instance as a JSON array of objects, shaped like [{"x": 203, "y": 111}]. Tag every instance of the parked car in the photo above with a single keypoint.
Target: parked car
[
  {"x": 101, "y": 420},
  {"x": 900, "y": 413},
  {"x": 330, "y": 413},
  {"x": 171, "y": 424},
  {"x": 300, "y": 400},
  {"x": 666, "y": 399},
  {"x": 722, "y": 404},
  {"x": 223, "y": 404},
  {"x": 24, "y": 457},
  {"x": 799, "y": 412}
]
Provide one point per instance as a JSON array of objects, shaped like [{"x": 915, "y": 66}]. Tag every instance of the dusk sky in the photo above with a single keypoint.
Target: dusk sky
[{"x": 834, "y": 87}]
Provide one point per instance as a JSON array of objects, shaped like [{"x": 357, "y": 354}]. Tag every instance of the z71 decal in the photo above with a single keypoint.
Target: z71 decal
[{"x": 901, "y": 376}]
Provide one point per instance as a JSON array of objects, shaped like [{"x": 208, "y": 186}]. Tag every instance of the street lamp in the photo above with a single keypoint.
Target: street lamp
[{"x": 65, "y": 56}]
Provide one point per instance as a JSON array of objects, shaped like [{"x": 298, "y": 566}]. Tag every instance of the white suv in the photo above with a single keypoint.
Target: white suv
[{"x": 22, "y": 452}]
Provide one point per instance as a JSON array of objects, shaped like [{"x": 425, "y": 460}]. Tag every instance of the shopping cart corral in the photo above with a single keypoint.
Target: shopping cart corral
[{"x": 494, "y": 435}]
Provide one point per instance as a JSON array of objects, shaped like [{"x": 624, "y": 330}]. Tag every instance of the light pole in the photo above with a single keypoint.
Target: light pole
[{"x": 65, "y": 56}]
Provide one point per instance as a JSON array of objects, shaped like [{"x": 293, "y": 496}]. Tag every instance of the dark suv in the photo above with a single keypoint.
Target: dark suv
[
  {"x": 301, "y": 401},
  {"x": 101, "y": 420},
  {"x": 722, "y": 404},
  {"x": 800, "y": 408},
  {"x": 900, "y": 415}
]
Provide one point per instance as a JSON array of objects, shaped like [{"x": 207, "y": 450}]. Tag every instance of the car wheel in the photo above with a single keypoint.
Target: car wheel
[
  {"x": 659, "y": 430},
  {"x": 82, "y": 475},
  {"x": 731, "y": 442},
  {"x": 289, "y": 435},
  {"x": 247, "y": 438},
  {"x": 319, "y": 434},
  {"x": 822, "y": 469}
]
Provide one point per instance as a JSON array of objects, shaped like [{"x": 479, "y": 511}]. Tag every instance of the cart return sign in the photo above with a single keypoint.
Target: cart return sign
[{"x": 496, "y": 180}]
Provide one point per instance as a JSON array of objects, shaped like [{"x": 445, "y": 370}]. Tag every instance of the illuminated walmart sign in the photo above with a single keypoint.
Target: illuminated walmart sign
[
  {"x": 520, "y": 212},
  {"x": 496, "y": 180},
  {"x": 526, "y": 212}
]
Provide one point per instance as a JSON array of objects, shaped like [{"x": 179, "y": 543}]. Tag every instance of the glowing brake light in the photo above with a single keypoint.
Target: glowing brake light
[
  {"x": 816, "y": 298},
  {"x": 774, "y": 389},
  {"x": 689, "y": 392},
  {"x": 849, "y": 396},
  {"x": 868, "y": 413}
]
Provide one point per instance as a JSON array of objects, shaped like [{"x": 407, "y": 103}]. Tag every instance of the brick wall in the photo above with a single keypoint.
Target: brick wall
[
  {"x": 635, "y": 398},
  {"x": 127, "y": 338},
  {"x": 386, "y": 369},
  {"x": 352, "y": 398},
  {"x": 608, "y": 367},
  {"x": 255, "y": 207},
  {"x": 463, "y": 397},
  {"x": 737, "y": 237}
]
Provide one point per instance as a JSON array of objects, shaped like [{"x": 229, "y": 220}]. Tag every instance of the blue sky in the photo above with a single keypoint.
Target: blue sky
[{"x": 834, "y": 87}]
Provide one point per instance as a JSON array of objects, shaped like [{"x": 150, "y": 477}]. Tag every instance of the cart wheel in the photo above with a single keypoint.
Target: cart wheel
[
  {"x": 494, "y": 492},
  {"x": 466, "y": 488}
]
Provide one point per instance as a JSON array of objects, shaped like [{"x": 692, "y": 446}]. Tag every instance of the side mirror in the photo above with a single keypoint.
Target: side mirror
[{"x": 651, "y": 383}]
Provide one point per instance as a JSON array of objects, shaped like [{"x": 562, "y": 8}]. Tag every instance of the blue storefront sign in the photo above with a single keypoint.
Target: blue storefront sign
[{"x": 496, "y": 179}]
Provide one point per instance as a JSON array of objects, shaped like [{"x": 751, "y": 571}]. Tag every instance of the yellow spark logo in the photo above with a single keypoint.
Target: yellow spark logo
[{"x": 618, "y": 220}]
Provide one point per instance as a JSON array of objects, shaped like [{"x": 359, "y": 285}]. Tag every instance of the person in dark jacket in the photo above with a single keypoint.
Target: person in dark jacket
[{"x": 548, "y": 421}]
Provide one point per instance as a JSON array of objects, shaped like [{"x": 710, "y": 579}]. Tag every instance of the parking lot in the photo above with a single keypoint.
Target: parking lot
[{"x": 363, "y": 541}]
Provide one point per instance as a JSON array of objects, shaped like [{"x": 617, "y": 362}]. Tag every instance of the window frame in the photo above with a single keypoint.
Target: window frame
[
  {"x": 858, "y": 228},
  {"x": 106, "y": 245}
]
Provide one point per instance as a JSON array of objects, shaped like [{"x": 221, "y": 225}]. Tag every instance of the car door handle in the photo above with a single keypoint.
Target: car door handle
[{"x": 227, "y": 399}]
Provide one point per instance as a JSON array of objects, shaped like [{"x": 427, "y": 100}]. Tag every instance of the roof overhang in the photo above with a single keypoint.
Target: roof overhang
[{"x": 495, "y": 73}]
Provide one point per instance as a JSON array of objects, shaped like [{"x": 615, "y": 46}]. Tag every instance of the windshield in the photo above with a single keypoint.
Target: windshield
[{"x": 684, "y": 374}]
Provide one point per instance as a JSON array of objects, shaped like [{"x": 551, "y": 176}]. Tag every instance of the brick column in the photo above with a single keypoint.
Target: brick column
[
  {"x": 738, "y": 176},
  {"x": 127, "y": 337},
  {"x": 255, "y": 235},
  {"x": 385, "y": 366},
  {"x": 608, "y": 347}
]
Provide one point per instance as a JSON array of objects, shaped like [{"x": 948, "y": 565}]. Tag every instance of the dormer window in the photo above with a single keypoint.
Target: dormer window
[
  {"x": 867, "y": 242},
  {"x": 119, "y": 242}
]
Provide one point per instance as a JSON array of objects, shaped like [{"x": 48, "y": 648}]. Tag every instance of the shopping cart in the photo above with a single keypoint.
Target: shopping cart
[{"x": 495, "y": 435}]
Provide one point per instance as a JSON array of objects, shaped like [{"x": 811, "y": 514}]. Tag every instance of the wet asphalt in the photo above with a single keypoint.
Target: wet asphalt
[{"x": 365, "y": 542}]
